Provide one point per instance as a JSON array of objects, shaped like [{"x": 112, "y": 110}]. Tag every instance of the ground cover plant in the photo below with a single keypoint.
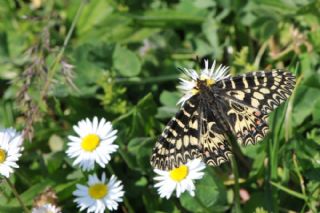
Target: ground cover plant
[{"x": 96, "y": 72}]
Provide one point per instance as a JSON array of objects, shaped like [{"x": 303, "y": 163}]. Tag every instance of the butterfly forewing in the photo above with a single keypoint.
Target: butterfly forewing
[
  {"x": 193, "y": 133},
  {"x": 260, "y": 90},
  {"x": 179, "y": 142}
]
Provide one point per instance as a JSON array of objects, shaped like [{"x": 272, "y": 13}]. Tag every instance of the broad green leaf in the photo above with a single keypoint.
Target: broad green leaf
[
  {"x": 304, "y": 101},
  {"x": 170, "y": 99},
  {"x": 94, "y": 12},
  {"x": 166, "y": 112},
  {"x": 126, "y": 62},
  {"x": 210, "y": 194}
]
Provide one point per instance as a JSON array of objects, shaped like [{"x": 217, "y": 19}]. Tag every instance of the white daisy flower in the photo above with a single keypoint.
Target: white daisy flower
[
  {"x": 94, "y": 143},
  {"x": 179, "y": 179},
  {"x": 47, "y": 208},
  {"x": 10, "y": 150},
  {"x": 189, "y": 85},
  {"x": 99, "y": 194}
]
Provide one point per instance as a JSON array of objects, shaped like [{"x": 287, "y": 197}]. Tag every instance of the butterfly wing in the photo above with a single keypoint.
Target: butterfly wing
[
  {"x": 246, "y": 100},
  {"x": 193, "y": 133},
  {"x": 260, "y": 90},
  {"x": 248, "y": 124},
  {"x": 179, "y": 141},
  {"x": 214, "y": 147}
]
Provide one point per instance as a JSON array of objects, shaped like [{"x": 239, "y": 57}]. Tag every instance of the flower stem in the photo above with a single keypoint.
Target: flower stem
[
  {"x": 236, "y": 185},
  {"x": 17, "y": 195}
]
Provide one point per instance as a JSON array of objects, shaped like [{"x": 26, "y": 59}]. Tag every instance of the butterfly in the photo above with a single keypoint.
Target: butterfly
[{"x": 214, "y": 105}]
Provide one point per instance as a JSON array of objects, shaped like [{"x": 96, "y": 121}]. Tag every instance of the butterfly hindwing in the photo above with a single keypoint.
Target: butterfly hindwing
[
  {"x": 248, "y": 124},
  {"x": 247, "y": 99},
  {"x": 179, "y": 142},
  {"x": 215, "y": 148}
]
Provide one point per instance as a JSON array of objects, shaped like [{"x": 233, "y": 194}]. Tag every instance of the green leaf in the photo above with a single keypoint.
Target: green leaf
[
  {"x": 126, "y": 62},
  {"x": 28, "y": 195},
  {"x": 64, "y": 190},
  {"x": 54, "y": 161},
  {"x": 166, "y": 112},
  {"x": 316, "y": 112},
  {"x": 190, "y": 8},
  {"x": 289, "y": 191},
  {"x": 163, "y": 18},
  {"x": 209, "y": 194},
  {"x": 312, "y": 80},
  {"x": 170, "y": 99},
  {"x": 135, "y": 144},
  {"x": 10, "y": 209},
  {"x": 305, "y": 100},
  {"x": 87, "y": 21},
  {"x": 140, "y": 149}
]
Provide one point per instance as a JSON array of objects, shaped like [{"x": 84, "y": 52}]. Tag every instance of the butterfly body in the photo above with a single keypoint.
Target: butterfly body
[{"x": 215, "y": 105}]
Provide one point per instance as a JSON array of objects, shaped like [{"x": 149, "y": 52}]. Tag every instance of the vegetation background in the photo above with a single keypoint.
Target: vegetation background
[{"x": 62, "y": 61}]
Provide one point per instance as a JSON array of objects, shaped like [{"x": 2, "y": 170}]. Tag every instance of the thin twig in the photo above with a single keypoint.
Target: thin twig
[
  {"x": 260, "y": 54},
  {"x": 295, "y": 163},
  {"x": 16, "y": 194}
]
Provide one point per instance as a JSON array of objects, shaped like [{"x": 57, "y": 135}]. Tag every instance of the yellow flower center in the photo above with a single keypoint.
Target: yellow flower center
[
  {"x": 180, "y": 173},
  {"x": 3, "y": 155},
  {"x": 90, "y": 142},
  {"x": 98, "y": 191},
  {"x": 210, "y": 82}
]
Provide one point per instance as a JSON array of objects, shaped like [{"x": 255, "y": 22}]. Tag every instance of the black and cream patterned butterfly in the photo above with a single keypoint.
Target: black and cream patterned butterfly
[{"x": 214, "y": 105}]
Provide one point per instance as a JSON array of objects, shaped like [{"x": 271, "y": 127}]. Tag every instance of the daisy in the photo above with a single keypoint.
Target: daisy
[
  {"x": 10, "y": 150},
  {"x": 94, "y": 143},
  {"x": 47, "y": 208},
  {"x": 99, "y": 194},
  {"x": 179, "y": 179},
  {"x": 188, "y": 85}
]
